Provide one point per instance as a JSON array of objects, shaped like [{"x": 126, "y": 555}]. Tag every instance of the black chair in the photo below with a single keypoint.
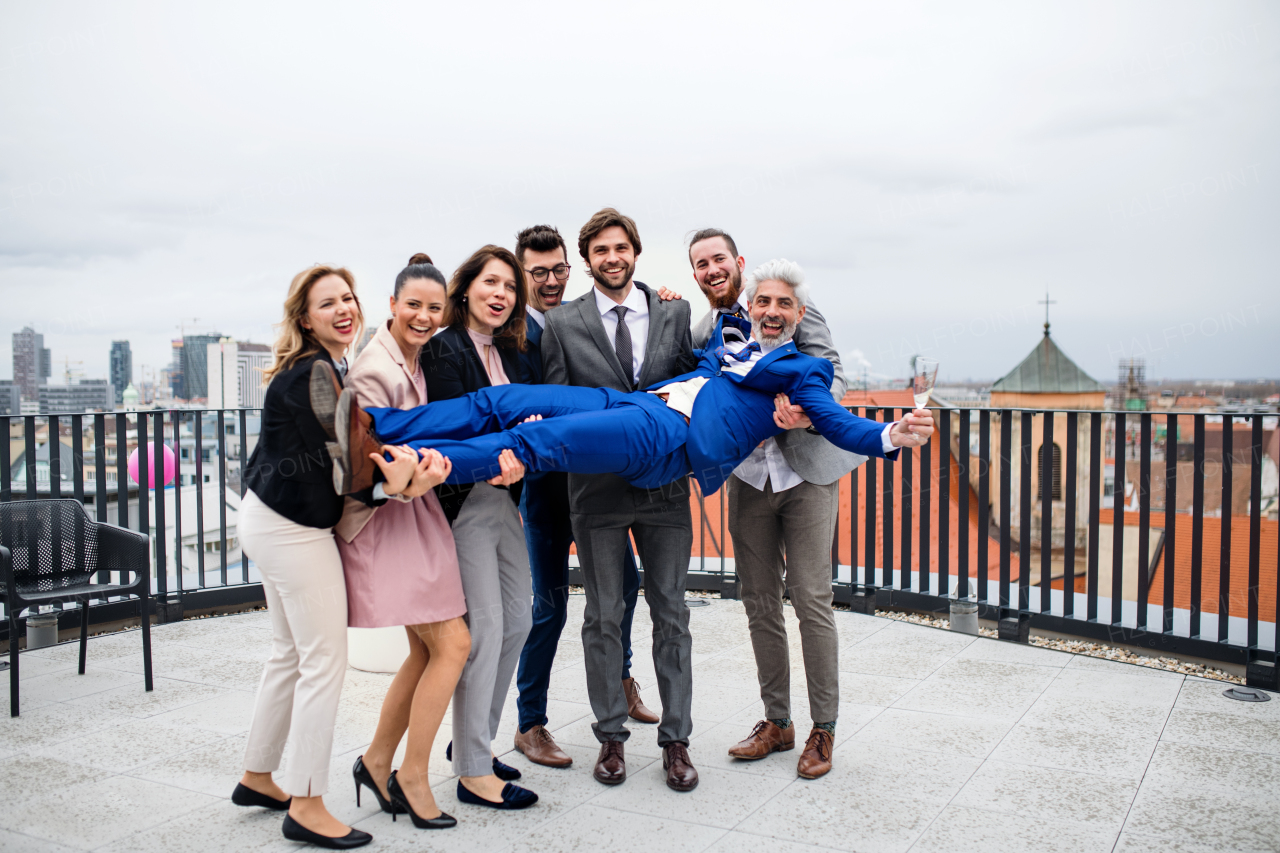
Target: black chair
[{"x": 49, "y": 550}]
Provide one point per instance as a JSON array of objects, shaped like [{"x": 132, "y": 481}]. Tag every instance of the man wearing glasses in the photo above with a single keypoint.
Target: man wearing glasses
[{"x": 544, "y": 504}]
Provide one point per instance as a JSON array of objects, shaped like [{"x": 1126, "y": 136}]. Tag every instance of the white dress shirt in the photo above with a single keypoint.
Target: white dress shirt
[
  {"x": 538, "y": 317},
  {"x": 766, "y": 463},
  {"x": 637, "y": 323}
]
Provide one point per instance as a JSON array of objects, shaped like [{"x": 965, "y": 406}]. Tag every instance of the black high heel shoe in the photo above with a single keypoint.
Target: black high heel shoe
[
  {"x": 245, "y": 796},
  {"x": 505, "y": 772},
  {"x": 295, "y": 831},
  {"x": 442, "y": 821},
  {"x": 365, "y": 778}
]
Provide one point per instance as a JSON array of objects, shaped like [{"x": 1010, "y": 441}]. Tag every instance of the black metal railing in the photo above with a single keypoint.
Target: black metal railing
[
  {"x": 1079, "y": 584},
  {"x": 991, "y": 470},
  {"x": 96, "y": 448}
]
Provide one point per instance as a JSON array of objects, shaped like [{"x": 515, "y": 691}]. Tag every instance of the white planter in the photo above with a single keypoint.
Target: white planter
[{"x": 377, "y": 649}]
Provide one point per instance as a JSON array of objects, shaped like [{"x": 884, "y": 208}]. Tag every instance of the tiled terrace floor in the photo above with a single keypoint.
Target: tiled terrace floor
[{"x": 945, "y": 742}]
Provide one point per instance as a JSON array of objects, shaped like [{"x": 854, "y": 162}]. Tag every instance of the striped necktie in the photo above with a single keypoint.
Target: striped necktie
[{"x": 622, "y": 344}]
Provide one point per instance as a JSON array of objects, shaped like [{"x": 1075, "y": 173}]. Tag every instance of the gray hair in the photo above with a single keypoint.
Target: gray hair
[{"x": 783, "y": 270}]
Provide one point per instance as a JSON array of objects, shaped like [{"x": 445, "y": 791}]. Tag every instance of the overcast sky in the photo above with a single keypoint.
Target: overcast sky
[{"x": 935, "y": 167}]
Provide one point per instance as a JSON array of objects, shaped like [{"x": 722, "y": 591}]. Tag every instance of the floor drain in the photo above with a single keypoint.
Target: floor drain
[
  {"x": 1246, "y": 694},
  {"x": 696, "y": 602}
]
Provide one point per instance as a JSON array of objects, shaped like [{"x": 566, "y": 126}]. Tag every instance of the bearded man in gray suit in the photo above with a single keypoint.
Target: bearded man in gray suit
[
  {"x": 621, "y": 335},
  {"x": 783, "y": 500}
]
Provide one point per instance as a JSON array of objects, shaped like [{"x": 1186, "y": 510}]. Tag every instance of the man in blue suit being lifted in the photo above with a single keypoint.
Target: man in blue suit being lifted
[{"x": 704, "y": 422}]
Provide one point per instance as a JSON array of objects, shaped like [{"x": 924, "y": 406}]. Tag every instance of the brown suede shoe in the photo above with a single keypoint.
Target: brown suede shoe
[
  {"x": 635, "y": 705},
  {"x": 611, "y": 765},
  {"x": 539, "y": 746},
  {"x": 353, "y": 470},
  {"x": 681, "y": 775},
  {"x": 765, "y": 738},
  {"x": 815, "y": 761}
]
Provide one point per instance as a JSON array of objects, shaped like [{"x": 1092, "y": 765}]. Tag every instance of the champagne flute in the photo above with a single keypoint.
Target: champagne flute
[{"x": 924, "y": 373}]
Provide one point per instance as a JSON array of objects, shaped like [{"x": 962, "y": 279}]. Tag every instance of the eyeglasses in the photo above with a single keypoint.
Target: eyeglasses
[{"x": 540, "y": 274}]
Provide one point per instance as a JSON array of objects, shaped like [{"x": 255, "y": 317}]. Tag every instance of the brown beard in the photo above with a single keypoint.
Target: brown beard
[
  {"x": 604, "y": 282},
  {"x": 731, "y": 295}
]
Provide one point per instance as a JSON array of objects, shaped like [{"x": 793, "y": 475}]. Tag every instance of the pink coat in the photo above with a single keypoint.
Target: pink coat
[{"x": 399, "y": 559}]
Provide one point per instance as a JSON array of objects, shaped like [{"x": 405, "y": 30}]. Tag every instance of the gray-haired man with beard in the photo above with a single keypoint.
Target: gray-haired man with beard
[{"x": 783, "y": 500}]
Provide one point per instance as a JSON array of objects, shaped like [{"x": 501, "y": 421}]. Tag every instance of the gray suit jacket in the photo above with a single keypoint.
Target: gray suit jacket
[
  {"x": 811, "y": 456},
  {"x": 577, "y": 351}
]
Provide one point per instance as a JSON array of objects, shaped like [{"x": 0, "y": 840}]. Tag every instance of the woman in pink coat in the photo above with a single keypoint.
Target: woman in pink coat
[{"x": 400, "y": 563}]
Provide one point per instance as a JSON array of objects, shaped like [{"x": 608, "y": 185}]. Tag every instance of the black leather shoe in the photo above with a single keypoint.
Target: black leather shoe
[
  {"x": 513, "y": 797},
  {"x": 505, "y": 772},
  {"x": 243, "y": 796},
  {"x": 295, "y": 831},
  {"x": 444, "y": 820},
  {"x": 365, "y": 778}
]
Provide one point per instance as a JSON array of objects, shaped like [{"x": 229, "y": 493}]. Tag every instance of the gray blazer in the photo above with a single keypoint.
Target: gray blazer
[
  {"x": 577, "y": 351},
  {"x": 811, "y": 456}
]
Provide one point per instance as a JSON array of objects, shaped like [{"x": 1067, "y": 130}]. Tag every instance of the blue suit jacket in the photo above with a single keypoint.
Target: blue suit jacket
[{"x": 733, "y": 414}]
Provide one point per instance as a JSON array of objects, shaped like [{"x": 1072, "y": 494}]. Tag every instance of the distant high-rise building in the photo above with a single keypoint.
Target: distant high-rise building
[
  {"x": 121, "y": 367},
  {"x": 195, "y": 365},
  {"x": 32, "y": 363},
  {"x": 176, "y": 387},
  {"x": 235, "y": 374}
]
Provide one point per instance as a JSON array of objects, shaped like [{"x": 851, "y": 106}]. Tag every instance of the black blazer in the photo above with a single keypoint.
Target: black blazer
[
  {"x": 290, "y": 469},
  {"x": 452, "y": 367}
]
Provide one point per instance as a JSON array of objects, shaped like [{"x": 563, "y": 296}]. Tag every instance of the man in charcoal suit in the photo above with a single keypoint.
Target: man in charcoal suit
[{"x": 621, "y": 335}]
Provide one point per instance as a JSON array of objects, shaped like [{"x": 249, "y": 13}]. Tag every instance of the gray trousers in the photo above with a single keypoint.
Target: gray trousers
[
  {"x": 663, "y": 530},
  {"x": 494, "y": 563},
  {"x": 783, "y": 541}
]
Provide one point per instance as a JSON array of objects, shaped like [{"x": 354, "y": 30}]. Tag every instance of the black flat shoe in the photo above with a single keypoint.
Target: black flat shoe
[
  {"x": 365, "y": 778},
  {"x": 295, "y": 831},
  {"x": 513, "y": 797},
  {"x": 505, "y": 772},
  {"x": 442, "y": 821},
  {"x": 243, "y": 796}
]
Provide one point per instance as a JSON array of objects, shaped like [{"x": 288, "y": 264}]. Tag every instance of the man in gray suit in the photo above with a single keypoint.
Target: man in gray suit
[
  {"x": 620, "y": 335},
  {"x": 784, "y": 501}
]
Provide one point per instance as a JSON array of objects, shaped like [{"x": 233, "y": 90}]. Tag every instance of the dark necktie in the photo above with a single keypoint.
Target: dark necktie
[{"x": 622, "y": 344}]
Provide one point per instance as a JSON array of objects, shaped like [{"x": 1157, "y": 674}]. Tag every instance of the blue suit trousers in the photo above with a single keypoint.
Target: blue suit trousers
[{"x": 586, "y": 431}]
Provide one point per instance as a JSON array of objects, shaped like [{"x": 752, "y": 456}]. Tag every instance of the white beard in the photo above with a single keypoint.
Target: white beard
[{"x": 757, "y": 332}]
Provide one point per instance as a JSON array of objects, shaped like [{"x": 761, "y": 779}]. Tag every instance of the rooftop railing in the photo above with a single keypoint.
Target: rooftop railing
[{"x": 1170, "y": 544}]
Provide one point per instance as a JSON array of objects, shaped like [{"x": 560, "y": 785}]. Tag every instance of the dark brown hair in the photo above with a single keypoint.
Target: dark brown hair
[
  {"x": 607, "y": 218},
  {"x": 539, "y": 238},
  {"x": 420, "y": 267},
  {"x": 421, "y": 258},
  {"x": 511, "y": 333},
  {"x": 707, "y": 234}
]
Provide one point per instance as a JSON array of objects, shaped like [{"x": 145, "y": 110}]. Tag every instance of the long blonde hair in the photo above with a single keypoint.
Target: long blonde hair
[{"x": 293, "y": 342}]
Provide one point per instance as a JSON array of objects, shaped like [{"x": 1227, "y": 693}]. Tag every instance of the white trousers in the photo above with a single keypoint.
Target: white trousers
[{"x": 302, "y": 682}]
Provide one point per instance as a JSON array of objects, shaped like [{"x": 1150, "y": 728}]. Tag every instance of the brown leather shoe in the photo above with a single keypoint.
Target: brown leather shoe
[
  {"x": 815, "y": 761},
  {"x": 611, "y": 765},
  {"x": 681, "y": 775},
  {"x": 353, "y": 470},
  {"x": 635, "y": 705},
  {"x": 765, "y": 738},
  {"x": 539, "y": 746}
]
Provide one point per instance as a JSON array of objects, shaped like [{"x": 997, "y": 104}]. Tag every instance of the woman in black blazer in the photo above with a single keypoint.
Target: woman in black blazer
[
  {"x": 481, "y": 347},
  {"x": 285, "y": 523}
]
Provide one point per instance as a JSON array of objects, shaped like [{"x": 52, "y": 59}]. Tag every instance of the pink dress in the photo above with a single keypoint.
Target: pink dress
[{"x": 399, "y": 559}]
